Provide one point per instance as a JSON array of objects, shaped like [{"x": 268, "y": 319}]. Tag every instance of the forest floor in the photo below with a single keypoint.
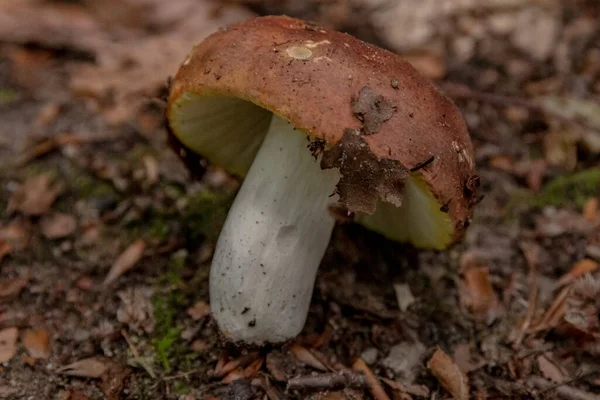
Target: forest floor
[{"x": 106, "y": 242}]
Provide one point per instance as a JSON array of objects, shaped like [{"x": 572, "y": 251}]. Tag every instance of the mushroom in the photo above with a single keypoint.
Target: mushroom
[{"x": 313, "y": 119}]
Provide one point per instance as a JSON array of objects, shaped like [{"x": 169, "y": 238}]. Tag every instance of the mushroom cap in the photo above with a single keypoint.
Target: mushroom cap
[{"x": 389, "y": 130}]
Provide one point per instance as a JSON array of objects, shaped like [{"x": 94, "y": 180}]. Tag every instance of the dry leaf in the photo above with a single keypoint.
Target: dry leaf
[
  {"x": 200, "y": 310},
  {"x": 482, "y": 296},
  {"x": 590, "y": 209},
  {"x": 579, "y": 269},
  {"x": 58, "y": 225},
  {"x": 449, "y": 375},
  {"x": 37, "y": 343},
  {"x": 11, "y": 287},
  {"x": 477, "y": 290},
  {"x": 463, "y": 358},
  {"x": 5, "y": 249},
  {"x": 126, "y": 261},
  {"x": 8, "y": 344},
  {"x": 151, "y": 167},
  {"x": 87, "y": 368},
  {"x": 16, "y": 234},
  {"x": 550, "y": 370},
  {"x": 374, "y": 386},
  {"x": 305, "y": 356},
  {"x": 35, "y": 196}
]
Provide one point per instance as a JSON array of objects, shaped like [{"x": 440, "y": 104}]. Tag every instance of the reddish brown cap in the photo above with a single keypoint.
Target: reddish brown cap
[{"x": 369, "y": 111}]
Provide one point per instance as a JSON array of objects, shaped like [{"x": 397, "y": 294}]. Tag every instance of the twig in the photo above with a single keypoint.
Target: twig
[
  {"x": 49, "y": 144},
  {"x": 328, "y": 381},
  {"x": 566, "y": 392},
  {"x": 531, "y": 256},
  {"x": 457, "y": 91},
  {"x": 374, "y": 386},
  {"x": 136, "y": 355}
]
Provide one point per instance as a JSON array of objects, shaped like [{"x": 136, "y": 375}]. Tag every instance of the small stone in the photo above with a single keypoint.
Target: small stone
[
  {"x": 370, "y": 355},
  {"x": 404, "y": 360}
]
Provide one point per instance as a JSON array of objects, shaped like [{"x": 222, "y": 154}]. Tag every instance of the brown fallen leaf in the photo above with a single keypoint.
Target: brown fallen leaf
[
  {"x": 477, "y": 290},
  {"x": 483, "y": 298},
  {"x": 37, "y": 343},
  {"x": 151, "y": 167},
  {"x": 126, "y": 261},
  {"x": 579, "y": 269},
  {"x": 132, "y": 68},
  {"x": 549, "y": 369},
  {"x": 8, "y": 344},
  {"x": 16, "y": 234},
  {"x": 5, "y": 249},
  {"x": 449, "y": 375},
  {"x": 35, "y": 196},
  {"x": 375, "y": 387},
  {"x": 200, "y": 310},
  {"x": 11, "y": 287},
  {"x": 58, "y": 225},
  {"x": 304, "y": 355},
  {"x": 92, "y": 367},
  {"x": 591, "y": 210}
]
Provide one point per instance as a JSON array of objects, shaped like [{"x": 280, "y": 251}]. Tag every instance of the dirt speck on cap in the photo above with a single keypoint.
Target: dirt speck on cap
[{"x": 372, "y": 110}]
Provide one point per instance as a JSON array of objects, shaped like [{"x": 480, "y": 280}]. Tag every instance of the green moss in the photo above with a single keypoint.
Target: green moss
[
  {"x": 8, "y": 96},
  {"x": 181, "y": 387},
  {"x": 573, "y": 189},
  {"x": 165, "y": 306},
  {"x": 205, "y": 214},
  {"x": 87, "y": 186}
]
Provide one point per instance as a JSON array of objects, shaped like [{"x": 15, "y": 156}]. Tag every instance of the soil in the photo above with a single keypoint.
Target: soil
[{"x": 106, "y": 240}]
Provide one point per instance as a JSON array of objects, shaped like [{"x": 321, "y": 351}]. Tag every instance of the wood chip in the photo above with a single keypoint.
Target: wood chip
[
  {"x": 37, "y": 343},
  {"x": 449, "y": 375},
  {"x": 58, "y": 225},
  {"x": 126, "y": 261},
  {"x": 35, "y": 196},
  {"x": 8, "y": 344},
  {"x": 87, "y": 368},
  {"x": 374, "y": 386}
]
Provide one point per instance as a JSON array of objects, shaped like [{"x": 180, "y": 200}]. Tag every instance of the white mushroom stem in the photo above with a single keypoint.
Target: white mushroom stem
[{"x": 273, "y": 240}]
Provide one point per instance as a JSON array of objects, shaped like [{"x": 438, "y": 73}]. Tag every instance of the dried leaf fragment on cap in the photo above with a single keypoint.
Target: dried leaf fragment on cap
[{"x": 449, "y": 375}]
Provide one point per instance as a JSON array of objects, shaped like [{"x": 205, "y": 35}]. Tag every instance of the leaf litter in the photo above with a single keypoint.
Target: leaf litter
[{"x": 116, "y": 58}]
